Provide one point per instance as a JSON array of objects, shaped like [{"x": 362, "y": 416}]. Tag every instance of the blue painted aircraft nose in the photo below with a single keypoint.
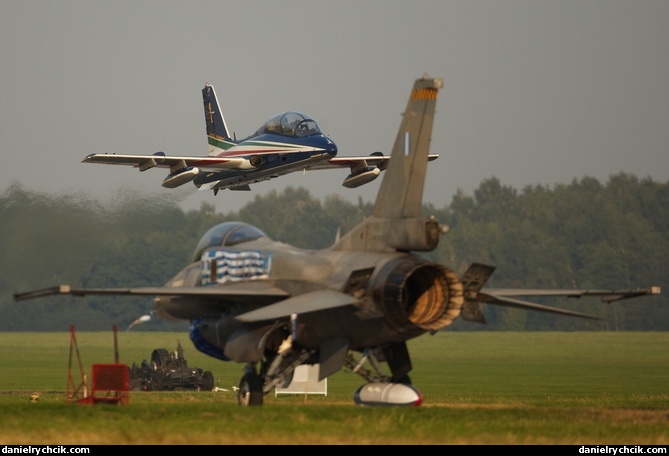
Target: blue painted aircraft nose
[{"x": 330, "y": 147}]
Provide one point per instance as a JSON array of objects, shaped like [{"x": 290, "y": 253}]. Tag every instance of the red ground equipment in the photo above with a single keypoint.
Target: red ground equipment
[{"x": 110, "y": 382}]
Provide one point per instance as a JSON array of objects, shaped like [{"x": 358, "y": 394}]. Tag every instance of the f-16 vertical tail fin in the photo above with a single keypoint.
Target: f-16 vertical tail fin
[
  {"x": 396, "y": 223},
  {"x": 401, "y": 192},
  {"x": 218, "y": 136}
]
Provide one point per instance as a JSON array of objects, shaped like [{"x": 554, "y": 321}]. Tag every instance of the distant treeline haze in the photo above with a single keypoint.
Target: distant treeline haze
[{"x": 582, "y": 235}]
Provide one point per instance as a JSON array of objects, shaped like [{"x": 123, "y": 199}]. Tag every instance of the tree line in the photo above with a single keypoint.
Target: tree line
[{"x": 585, "y": 234}]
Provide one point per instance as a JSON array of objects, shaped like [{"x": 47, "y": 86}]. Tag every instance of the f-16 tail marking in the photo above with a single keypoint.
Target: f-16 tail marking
[
  {"x": 401, "y": 191},
  {"x": 396, "y": 223}
]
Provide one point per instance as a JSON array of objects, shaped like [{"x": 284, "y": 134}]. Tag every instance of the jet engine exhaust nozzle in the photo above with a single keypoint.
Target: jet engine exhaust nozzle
[{"x": 422, "y": 294}]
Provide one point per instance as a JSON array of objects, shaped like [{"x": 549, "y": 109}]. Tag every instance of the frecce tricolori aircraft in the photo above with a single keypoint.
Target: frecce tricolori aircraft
[{"x": 287, "y": 142}]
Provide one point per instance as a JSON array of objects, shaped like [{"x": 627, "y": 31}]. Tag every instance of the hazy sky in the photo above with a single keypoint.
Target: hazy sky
[{"x": 535, "y": 92}]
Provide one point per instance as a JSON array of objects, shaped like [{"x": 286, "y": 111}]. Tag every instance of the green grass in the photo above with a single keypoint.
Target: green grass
[{"x": 478, "y": 388}]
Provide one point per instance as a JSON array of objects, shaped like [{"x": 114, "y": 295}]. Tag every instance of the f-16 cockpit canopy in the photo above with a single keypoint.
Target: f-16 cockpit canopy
[
  {"x": 290, "y": 123},
  {"x": 227, "y": 234}
]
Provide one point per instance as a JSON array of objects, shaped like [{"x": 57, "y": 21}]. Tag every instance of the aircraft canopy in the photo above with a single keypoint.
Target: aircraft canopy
[
  {"x": 227, "y": 234},
  {"x": 290, "y": 123}
]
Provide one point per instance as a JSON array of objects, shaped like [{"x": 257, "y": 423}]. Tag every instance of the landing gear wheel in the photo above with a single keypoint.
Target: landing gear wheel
[
  {"x": 250, "y": 390},
  {"x": 207, "y": 381}
]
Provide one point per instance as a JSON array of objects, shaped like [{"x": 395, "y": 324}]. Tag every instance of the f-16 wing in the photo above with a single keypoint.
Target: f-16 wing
[
  {"x": 474, "y": 279},
  {"x": 606, "y": 295},
  {"x": 276, "y": 303},
  {"x": 238, "y": 292},
  {"x": 508, "y": 297}
]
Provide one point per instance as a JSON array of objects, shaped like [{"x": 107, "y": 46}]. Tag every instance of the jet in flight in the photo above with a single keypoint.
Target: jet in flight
[
  {"x": 287, "y": 142},
  {"x": 273, "y": 307}
]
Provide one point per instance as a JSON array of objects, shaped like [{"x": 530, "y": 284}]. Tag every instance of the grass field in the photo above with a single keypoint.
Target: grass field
[{"x": 478, "y": 388}]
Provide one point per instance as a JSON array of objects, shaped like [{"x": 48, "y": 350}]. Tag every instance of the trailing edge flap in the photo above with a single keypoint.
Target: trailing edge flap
[
  {"x": 304, "y": 303},
  {"x": 510, "y": 302}
]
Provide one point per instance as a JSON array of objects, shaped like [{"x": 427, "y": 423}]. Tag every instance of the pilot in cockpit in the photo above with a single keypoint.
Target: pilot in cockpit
[
  {"x": 288, "y": 129},
  {"x": 288, "y": 124}
]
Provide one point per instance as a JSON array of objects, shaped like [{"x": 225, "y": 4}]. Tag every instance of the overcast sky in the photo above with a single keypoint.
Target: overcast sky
[{"x": 535, "y": 92}]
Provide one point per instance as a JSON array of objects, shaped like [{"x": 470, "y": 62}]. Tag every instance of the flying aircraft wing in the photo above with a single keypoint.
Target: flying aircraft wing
[
  {"x": 376, "y": 159},
  {"x": 160, "y": 160}
]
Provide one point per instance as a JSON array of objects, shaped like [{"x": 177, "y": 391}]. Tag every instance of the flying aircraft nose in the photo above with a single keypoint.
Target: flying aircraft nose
[{"x": 330, "y": 147}]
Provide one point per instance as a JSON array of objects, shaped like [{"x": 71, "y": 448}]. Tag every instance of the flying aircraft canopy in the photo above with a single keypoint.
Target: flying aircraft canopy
[
  {"x": 290, "y": 123},
  {"x": 227, "y": 234}
]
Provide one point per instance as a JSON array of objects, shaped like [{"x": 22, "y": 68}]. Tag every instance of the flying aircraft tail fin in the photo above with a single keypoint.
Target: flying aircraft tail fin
[
  {"x": 396, "y": 223},
  {"x": 218, "y": 136}
]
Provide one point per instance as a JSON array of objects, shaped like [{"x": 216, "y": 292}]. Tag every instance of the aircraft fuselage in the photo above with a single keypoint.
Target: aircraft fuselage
[{"x": 388, "y": 303}]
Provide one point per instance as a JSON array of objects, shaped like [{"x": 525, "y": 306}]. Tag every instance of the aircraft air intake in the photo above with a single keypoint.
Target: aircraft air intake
[
  {"x": 421, "y": 294},
  {"x": 256, "y": 160}
]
